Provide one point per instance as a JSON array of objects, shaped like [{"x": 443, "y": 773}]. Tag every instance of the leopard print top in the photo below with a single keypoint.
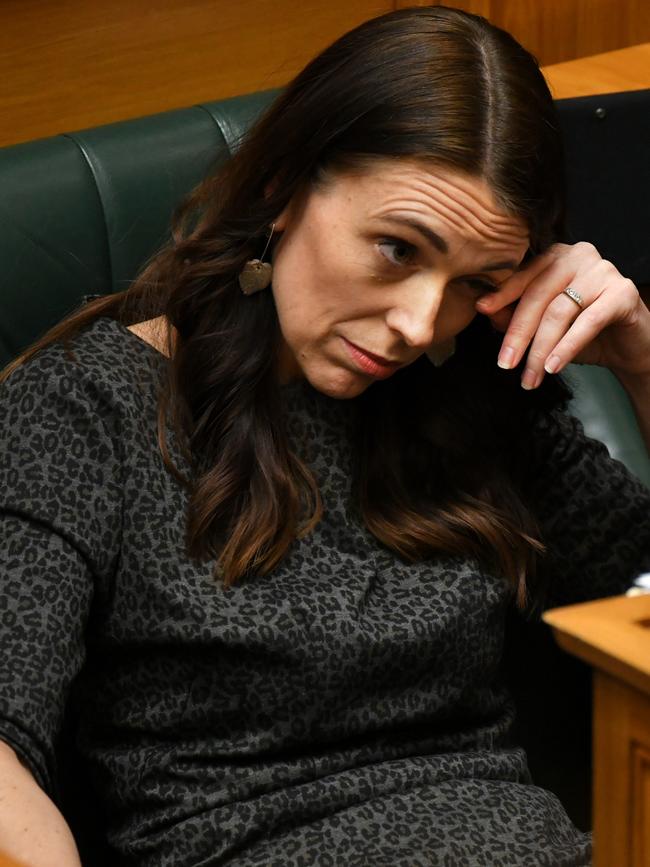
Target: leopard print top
[{"x": 345, "y": 709}]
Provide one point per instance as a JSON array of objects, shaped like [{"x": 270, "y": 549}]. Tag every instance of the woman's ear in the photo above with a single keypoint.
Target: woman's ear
[
  {"x": 293, "y": 207},
  {"x": 280, "y": 222}
]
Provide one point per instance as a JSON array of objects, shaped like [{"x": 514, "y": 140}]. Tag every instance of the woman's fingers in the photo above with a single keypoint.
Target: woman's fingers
[
  {"x": 514, "y": 287},
  {"x": 539, "y": 318},
  {"x": 551, "y": 313},
  {"x": 583, "y": 331},
  {"x": 558, "y": 318},
  {"x": 587, "y": 338},
  {"x": 537, "y": 289}
]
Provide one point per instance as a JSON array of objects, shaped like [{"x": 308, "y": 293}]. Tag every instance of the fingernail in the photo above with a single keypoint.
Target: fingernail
[
  {"x": 506, "y": 357},
  {"x": 529, "y": 379},
  {"x": 553, "y": 364},
  {"x": 484, "y": 303}
]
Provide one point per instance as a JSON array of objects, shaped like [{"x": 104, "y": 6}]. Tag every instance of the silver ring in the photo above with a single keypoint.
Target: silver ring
[{"x": 574, "y": 296}]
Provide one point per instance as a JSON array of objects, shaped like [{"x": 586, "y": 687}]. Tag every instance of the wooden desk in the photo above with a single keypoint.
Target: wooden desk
[
  {"x": 613, "y": 636},
  {"x": 611, "y": 72}
]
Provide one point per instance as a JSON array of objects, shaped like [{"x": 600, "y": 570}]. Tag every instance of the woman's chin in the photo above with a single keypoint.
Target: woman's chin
[{"x": 338, "y": 382}]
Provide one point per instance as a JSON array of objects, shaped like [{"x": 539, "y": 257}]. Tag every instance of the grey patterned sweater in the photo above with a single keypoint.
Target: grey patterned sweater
[{"x": 343, "y": 710}]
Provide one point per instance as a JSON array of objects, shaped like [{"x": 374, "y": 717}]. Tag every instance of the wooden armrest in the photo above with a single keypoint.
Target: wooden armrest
[{"x": 611, "y": 634}]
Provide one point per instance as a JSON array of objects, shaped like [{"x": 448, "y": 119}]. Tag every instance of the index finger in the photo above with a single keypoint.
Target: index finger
[{"x": 514, "y": 286}]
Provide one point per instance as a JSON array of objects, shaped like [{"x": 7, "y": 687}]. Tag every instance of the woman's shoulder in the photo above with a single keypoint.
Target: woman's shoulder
[
  {"x": 107, "y": 361},
  {"x": 153, "y": 332}
]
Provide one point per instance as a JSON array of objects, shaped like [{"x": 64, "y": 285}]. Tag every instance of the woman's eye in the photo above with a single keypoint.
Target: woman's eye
[{"x": 397, "y": 252}]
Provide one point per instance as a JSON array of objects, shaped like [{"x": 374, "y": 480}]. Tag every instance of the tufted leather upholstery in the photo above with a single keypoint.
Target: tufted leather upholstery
[{"x": 79, "y": 213}]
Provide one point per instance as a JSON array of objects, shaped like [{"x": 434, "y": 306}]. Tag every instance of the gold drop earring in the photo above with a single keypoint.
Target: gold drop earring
[{"x": 256, "y": 274}]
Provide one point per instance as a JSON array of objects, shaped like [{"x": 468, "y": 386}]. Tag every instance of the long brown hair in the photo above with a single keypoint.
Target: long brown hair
[{"x": 441, "y": 474}]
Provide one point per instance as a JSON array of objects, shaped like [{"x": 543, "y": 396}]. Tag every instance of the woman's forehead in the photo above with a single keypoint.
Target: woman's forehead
[{"x": 417, "y": 191}]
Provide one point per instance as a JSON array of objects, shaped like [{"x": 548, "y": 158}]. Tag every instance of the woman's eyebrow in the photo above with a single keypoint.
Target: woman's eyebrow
[{"x": 441, "y": 245}]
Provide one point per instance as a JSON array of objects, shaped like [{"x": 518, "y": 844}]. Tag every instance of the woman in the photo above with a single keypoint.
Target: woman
[{"x": 276, "y": 621}]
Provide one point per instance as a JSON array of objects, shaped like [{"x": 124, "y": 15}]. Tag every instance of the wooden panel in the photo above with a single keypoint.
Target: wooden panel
[
  {"x": 610, "y": 634},
  {"x": 626, "y": 69},
  {"x": 621, "y": 774},
  {"x": 641, "y": 803},
  {"x": 611, "y": 792},
  {"x": 68, "y": 64},
  {"x": 556, "y": 30},
  {"x": 603, "y": 25}
]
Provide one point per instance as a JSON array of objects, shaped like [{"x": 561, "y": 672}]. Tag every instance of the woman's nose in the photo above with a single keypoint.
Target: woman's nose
[{"x": 415, "y": 312}]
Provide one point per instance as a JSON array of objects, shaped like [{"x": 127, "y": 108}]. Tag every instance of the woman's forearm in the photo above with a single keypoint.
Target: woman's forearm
[
  {"x": 638, "y": 389},
  {"x": 33, "y": 832}
]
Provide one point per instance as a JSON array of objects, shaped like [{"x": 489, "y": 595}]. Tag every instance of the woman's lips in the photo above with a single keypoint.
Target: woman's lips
[{"x": 375, "y": 365}]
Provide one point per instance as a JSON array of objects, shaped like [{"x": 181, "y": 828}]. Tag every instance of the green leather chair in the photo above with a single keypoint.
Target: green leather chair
[{"x": 79, "y": 213}]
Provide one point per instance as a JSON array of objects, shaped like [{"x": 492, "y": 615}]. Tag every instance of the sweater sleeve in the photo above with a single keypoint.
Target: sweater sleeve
[
  {"x": 60, "y": 520},
  {"x": 593, "y": 512}
]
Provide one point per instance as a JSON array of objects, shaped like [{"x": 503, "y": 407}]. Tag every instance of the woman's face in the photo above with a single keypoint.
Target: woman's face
[{"x": 387, "y": 261}]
